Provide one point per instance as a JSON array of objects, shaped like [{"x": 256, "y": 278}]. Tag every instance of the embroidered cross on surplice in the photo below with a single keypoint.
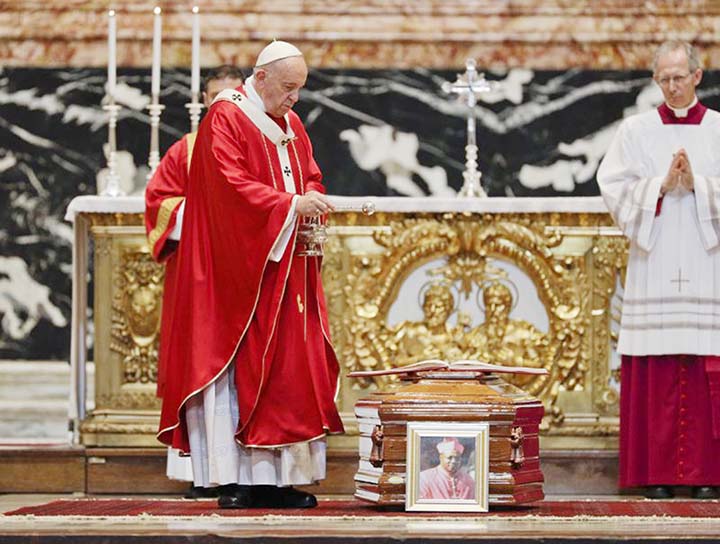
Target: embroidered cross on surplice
[{"x": 679, "y": 280}]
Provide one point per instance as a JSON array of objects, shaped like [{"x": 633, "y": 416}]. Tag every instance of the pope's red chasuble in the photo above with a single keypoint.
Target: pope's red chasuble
[{"x": 233, "y": 304}]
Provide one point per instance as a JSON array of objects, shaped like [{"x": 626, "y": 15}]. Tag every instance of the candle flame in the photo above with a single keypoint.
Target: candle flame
[
  {"x": 157, "y": 10},
  {"x": 195, "y": 9},
  {"x": 111, "y": 13}
]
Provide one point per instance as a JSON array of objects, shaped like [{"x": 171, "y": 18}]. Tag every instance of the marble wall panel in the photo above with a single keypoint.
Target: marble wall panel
[
  {"x": 378, "y": 132},
  {"x": 569, "y": 71}
]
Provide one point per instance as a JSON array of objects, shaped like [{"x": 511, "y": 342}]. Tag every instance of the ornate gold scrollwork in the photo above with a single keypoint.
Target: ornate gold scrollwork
[
  {"x": 609, "y": 257},
  {"x": 88, "y": 427},
  {"x": 333, "y": 275},
  {"x": 136, "y": 313},
  {"x": 469, "y": 244},
  {"x": 130, "y": 400}
]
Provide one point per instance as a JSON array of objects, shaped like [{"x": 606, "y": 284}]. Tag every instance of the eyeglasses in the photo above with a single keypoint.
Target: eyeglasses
[{"x": 677, "y": 80}]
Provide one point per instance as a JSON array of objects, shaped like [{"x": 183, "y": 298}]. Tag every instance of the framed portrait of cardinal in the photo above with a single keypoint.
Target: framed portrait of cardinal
[{"x": 447, "y": 467}]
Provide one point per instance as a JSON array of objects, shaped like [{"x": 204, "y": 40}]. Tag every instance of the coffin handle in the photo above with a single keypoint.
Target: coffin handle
[
  {"x": 376, "y": 453},
  {"x": 517, "y": 456}
]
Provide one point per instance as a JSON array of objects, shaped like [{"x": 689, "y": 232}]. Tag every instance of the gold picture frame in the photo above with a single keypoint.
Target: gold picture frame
[{"x": 447, "y": 467}]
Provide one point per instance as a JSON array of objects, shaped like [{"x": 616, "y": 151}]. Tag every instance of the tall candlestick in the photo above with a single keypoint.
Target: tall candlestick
[
  {"x": 154, "y": 156},
  {"x": 195, "y": 70},
  {"x": 112, "y": 54},
  {"x": 112, "y": 182},
  {"x": 157, "y": 40}
]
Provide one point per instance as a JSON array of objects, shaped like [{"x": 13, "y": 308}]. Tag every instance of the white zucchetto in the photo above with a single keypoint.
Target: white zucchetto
[{"x": 277, "y": 50}]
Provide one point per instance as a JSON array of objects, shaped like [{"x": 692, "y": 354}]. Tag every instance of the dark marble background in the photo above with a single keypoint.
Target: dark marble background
[{"x": 386, "y": 132}]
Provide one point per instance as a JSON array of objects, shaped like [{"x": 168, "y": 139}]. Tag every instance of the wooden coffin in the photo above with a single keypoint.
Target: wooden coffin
[{"x": 513, "y": 416}]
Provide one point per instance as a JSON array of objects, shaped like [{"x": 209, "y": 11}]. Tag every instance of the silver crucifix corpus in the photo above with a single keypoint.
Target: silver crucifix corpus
[{"x": 468, "y": 87}]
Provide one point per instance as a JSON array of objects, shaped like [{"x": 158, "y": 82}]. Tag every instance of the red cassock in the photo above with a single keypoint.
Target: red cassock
[
  {"x": 670, "y": 405},
  {"x": 163, "y": 196},
  {"x": 234, "y": 305},
  {"x": 669, "y": 420}
]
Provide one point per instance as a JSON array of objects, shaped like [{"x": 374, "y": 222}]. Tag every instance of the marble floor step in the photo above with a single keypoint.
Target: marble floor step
[
  {"x": 34, "y": 400},
  {"x": 33, "y": 380}
]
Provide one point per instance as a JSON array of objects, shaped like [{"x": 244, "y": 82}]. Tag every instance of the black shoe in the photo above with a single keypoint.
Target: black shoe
[
  {"x": 270, "y": 496},
  {"x": 704, "y": 492},
  {"x": 196, "y": 492},
  {"x": 234, "y": 496},
  {"x": 659, "y": 492}
]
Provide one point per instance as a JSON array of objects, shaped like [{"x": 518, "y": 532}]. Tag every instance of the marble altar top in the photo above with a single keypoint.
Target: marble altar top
[{"x": 594, "y": 204}]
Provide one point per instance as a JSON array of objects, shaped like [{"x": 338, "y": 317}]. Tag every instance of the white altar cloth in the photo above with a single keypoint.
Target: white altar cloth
[{"x": 588, "y": 204}]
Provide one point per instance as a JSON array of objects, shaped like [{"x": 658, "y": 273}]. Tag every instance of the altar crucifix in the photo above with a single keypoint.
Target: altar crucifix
[{"x": 469, "y": 86}]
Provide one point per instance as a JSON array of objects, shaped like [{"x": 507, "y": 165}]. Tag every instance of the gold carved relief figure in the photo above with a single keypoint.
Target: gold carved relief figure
[
  {"x": 504, "y": 341},
  {"x": 136, "y": 316},
  {"x": 498, "y": 340},
  {"x": 432, "y": 338},
  {"x": 143, "y": 310}
]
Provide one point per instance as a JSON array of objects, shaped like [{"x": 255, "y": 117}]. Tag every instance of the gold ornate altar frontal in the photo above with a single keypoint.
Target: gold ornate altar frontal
[
  {"x": 126, "y": 316},
  {"x": 572, "y": 263},
  {"x": 376, "y": 267}
]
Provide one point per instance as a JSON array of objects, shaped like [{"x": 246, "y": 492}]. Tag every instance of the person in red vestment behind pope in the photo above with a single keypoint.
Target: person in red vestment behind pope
[
  {"x": 164, "y": 205},
  {"x": 251, "y": 394},
  {"x": 661, "y": 182},
  {"x": 447, "y": 480}
]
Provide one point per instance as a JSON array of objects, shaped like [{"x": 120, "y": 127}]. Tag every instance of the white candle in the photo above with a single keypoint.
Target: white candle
[
  {"x": 112, "y": 54},
  {"x": 195, "y": 70},
  {"x": 157, "y": 40}
]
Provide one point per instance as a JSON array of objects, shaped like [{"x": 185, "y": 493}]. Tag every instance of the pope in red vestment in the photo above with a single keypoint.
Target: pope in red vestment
[
  {"x": 237, "y": 302},
  {"x": 164, "y": 198}
]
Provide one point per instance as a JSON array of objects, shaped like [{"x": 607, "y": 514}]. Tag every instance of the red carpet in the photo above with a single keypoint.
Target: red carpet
[{"x": 354, "y": 508}]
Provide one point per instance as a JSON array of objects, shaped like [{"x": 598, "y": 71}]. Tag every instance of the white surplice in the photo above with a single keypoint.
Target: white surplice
[{"x": 672, "y": 292}]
